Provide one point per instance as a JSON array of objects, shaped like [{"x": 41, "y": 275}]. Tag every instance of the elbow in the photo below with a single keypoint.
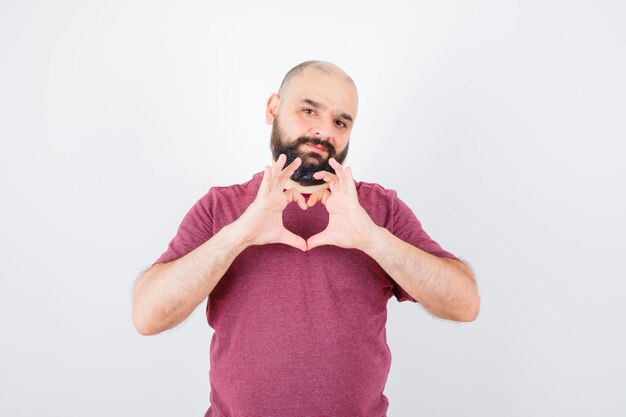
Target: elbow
[
  {"x": 144, "y": 319},
  {"x": 143, "y": 325},
  {"x": 142, "y": 315},
  {"x": 472, "y": 306},
  {"x": 470, "y": 313}
]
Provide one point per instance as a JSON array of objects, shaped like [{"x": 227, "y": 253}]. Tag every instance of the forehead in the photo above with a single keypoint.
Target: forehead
[{"x": 331, "y": 88}]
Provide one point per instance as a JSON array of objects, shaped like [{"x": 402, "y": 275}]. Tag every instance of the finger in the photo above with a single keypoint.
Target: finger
[
  {"x": 350, "y": 183},
  {"x": 331, "y": 179},
  {"x": 321, "y": 195},
  {"x": 280, "y": 162},
  {"x": 347, "y": 171},
  {"x": 267, "y": 177},
  {"x": 338, "y": 171},
  {"x": 286, "y": 173},
  {"x": 288, "y": 238},
  {"x": 325, "y": 196},
  {"x": 322, "y": 174},
  {"x": 277, "y": 166},
  {"x": 314, "y": 198},
  {"x": 319, "y": 239},
  {"x": 294, "y": 195},
  {"x": 291, "y": 168}
]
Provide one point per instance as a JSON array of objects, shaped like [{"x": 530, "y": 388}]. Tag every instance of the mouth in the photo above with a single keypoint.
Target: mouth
[{"x": 314, "y": 148}]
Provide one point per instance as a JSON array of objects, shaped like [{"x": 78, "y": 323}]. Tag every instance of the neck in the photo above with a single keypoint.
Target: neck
[{"x": 304, "y": 189}]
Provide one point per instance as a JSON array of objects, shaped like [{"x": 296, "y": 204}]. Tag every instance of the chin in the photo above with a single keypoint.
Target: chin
[{"x": 313, "y": 159}]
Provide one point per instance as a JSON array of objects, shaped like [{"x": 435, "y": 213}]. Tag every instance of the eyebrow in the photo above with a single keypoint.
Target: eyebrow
[{"x": 317, "y": 105}]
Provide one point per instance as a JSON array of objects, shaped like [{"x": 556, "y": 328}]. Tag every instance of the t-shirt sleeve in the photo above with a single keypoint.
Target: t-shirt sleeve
[
  {"x": 407, "y": 227},
  {"x": 195, "y": 229}
]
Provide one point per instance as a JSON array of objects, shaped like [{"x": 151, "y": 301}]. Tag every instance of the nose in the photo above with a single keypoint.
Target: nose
[{"x": 322, "y": 130}]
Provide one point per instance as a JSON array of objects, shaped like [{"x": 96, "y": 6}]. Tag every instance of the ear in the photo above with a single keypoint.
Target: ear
[{"x": 271, "y": 109}]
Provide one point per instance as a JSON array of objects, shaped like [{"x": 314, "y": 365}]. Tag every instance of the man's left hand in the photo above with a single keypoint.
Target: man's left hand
[{"x": 349, "y": 225}]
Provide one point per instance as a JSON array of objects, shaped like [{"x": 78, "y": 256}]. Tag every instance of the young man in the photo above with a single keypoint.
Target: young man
[{"x": 297, "y": 293}]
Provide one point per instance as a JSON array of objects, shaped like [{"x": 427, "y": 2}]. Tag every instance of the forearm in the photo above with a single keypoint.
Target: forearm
[
  {"x": 443, "y": 286},
  {"x": 167, "y": 294}
]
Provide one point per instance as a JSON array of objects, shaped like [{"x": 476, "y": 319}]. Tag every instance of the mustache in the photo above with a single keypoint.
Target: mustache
[{"x": 315, "y": 142}]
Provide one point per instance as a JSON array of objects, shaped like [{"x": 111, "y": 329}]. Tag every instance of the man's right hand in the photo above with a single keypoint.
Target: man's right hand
[
  {"x": 262, "y": 222},
  {"x": 167, "y": 293}
]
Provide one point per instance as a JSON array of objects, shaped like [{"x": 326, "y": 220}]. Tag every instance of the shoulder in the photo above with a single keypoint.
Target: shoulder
[
  {"x": 230, "y": 198},
  {"x": 375, "y": 191},
  {"x": 381, "y": 203},
  {"x": 249, "y": 187}
]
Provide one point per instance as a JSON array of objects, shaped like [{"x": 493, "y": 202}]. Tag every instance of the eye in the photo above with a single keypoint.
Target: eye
[
  {"x": 340, "y": 123},
  {"x": 308, "y": 111}
]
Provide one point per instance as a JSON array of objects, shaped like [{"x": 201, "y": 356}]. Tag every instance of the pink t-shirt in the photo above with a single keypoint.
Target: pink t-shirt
[{"x": 299, "y": 333}]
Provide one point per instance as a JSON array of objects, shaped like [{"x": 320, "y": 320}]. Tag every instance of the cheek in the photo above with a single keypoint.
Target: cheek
[
  {"x": 301, "y": 126},
  {"x": 294, "y": 127},
  {"x": 341, "y": 140},
  {"x": 342, "y": 143}
]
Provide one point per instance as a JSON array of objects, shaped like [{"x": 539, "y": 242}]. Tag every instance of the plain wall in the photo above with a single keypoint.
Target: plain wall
[{"x": 502, "y": 124}]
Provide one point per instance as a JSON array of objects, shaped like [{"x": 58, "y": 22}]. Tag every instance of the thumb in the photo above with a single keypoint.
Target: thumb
[
  {"x": 320, "y": 239},
  {"x": 291, "y": 239},
  {"x": 321, "y": 195},
  {"x": 293, "y": 195}
]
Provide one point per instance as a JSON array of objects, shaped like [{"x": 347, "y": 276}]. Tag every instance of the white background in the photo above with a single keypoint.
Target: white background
[{"x": 502, "y": 124}]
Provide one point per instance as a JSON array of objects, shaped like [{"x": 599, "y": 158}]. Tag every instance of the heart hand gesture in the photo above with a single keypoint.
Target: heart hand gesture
[
  {"x": 349, "y": 225},
  {"x": 262, "y": 222}
]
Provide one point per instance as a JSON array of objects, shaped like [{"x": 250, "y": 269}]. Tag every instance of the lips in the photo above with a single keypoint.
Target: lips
[{"x": 317, "y": 149}]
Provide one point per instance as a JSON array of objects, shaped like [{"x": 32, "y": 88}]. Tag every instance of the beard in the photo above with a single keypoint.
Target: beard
[{"x": 312, "y": 162}]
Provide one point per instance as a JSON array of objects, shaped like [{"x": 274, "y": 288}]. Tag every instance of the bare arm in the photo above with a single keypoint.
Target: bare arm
[
  {"x": 167, "y": 294},
  {"x": 444, "y": 286}
]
